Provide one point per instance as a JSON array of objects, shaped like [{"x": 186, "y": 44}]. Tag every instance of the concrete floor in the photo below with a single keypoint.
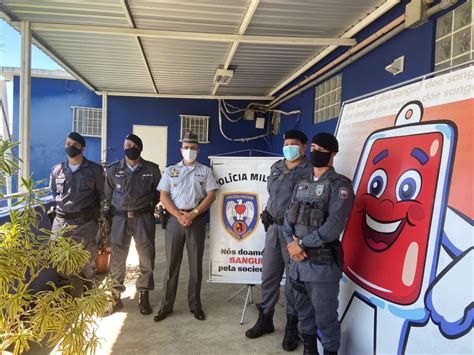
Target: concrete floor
[{"x": 129, "y": 332}]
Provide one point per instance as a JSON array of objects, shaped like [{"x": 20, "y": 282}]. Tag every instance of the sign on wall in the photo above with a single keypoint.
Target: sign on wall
[
  {"x": 408, "y": 244},
  {"x": 237, "y": 236}
]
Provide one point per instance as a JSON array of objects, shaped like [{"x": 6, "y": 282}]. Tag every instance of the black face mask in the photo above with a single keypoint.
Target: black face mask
[
  {"x": 72, "y": 151},
  {"x": 132, "y": 153},
  {"x": 320, "y": 159}
]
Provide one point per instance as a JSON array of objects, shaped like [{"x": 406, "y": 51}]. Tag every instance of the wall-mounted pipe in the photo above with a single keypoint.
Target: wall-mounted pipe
[{"x": 370, "y": 43}]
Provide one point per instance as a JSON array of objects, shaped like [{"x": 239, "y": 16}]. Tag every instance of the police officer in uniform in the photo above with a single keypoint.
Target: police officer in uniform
[
  {"x": 77, "y": 186},
  {"x": 316, "y": 216},
  {"x": 284, "y": 175},
  {"x": 187, "y": 189},
  {"x": 131, "y": 192}
]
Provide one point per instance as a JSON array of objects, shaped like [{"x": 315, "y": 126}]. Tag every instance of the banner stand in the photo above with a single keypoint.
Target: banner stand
[{"x": 248, "y": 298}]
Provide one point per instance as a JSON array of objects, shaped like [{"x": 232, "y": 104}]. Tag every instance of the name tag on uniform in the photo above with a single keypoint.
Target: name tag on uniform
[
  {"x": 303, "y": 187},
  {"x": 319, "y": 190},
  {"x": 147, "y": 175},
  {"x": 118, "y": 186},
  {"x": 120, "y": 173}
]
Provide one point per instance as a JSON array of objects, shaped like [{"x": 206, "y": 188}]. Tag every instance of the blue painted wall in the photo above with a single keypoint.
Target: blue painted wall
[
  {"x": 124, "y": 112},
  {"x": 368, "y": 73},
  {"x": 51, "y": 121}
]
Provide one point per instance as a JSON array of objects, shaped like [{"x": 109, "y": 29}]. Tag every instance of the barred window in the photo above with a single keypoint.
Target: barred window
[
  {"x": 327, "y": 99},
  {"x": 199, "y": 125},
  {"x": 87, "y": 121},
  {"x": 454, "y": 37}
]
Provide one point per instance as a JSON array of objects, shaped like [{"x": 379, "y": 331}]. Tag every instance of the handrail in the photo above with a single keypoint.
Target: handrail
[{"x": 22, "y": 194}]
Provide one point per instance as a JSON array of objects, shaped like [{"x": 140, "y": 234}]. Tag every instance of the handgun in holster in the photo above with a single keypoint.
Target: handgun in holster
[
  {"x": 51, "y": 213},
  {"x": 338, "y": 253},
  {"x": 162, "y": 216},
  {"x": 266, "y": 219}
]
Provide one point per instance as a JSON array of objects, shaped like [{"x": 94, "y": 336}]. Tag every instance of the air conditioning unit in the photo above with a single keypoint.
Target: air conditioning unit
[{"x": 223, "y": 76}]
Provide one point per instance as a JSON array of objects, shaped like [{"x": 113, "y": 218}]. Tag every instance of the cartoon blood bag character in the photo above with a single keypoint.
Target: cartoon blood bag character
[{"x": 392, "y": 238}]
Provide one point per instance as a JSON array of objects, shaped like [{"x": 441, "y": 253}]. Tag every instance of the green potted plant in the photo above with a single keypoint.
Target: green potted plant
[{"x": 51, "y": 317}]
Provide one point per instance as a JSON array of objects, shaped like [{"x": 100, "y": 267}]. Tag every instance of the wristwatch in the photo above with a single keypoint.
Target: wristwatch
[
  {"x": 300, "y": 243},
  {"x": 195, "y": 211}
]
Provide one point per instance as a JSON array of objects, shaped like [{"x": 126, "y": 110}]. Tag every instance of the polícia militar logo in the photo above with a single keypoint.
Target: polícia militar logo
[{"x": 239, "y": 214}]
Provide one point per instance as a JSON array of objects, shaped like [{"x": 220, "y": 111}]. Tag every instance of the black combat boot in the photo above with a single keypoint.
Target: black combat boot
[
  {"x": 327, "y": 352},
  {"x": 144, "y": 303},
  {"x": 310, "y": 345},
  {"x": 115, "y": 306},
  {"x": 290, "y": 341},
  {"x": 263, "y": 326}
]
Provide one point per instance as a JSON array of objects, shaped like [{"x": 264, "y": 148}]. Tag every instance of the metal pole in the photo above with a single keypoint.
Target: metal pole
[
  {"x": 25, "y": 99},
  {"x": 103, "y": 134}
]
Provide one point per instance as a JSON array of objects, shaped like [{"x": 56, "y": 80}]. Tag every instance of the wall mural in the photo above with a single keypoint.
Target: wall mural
[{"x": 408, "y": 244}]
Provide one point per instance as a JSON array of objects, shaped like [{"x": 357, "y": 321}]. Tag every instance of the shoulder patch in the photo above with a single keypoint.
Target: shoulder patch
[
  {"x": 343, "y": 192},
  {"x": 57, "y": 168}
]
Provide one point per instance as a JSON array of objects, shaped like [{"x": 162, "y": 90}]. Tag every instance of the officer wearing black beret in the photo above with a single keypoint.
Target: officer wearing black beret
[
  {"x": 130, "y": 190},
  {"x": 77, "y": 186},
  {"x": 315, "y": 218},
  {"x": 284, "y": 175}
]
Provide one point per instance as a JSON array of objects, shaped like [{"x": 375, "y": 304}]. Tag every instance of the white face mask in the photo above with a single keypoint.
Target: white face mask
[{"x": 189, "y": 155}]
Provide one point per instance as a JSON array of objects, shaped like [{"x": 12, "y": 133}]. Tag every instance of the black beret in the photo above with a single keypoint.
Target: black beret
[
  {"x": 295, "y": 134},
  {"x": 327, "y": 141},
  {"x": 77, "y": 137},
  {"x": 135, "y": 139}
]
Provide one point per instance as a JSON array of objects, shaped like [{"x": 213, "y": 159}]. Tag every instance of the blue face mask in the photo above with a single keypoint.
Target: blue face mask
[{"x": 291, "y": 152}]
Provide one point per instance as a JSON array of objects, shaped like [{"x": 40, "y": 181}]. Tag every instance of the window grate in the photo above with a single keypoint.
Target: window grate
[
  {"x": 199, "y": 125},
  {"x": 327, "y": 99},
  {"x": 455, "y": 37},
  {"x": 87, "y": 121}
]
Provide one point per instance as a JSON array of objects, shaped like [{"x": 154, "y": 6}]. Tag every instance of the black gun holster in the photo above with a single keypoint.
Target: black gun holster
[{"x": 163, "y": 217}]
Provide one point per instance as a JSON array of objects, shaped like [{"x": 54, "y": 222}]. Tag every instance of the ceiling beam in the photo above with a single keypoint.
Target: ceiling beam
[
  {"x": 387, "y": 5},
  {"x": 186, "y": 96},
  {"x": 243, "y": 27},
  {"x": 13, "y": 20},
  {"x": 128, "y": 14},
  {"x": 188, "y": 36}
]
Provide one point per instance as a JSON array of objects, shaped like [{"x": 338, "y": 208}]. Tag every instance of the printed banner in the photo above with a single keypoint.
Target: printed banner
[
  {"x": 237, "y": 236},
  {"x": 408, "y": 243}
]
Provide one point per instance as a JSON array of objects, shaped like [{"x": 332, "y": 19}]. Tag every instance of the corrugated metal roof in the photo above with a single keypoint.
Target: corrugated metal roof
[{"x": 115, "y": 62}]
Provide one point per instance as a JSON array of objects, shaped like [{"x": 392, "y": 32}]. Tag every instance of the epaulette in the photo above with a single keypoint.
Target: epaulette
[
  {"x": 56, "y": 168},
  {"x": 112, "y": 164},
  {"x": 340, "y": 177},
  {"x": 275, "y": 163}
]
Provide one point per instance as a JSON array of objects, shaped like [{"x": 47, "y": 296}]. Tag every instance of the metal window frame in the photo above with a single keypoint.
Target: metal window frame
[
  {"x": 188, "y": 122},
  {"x": 85, "y": 124}
]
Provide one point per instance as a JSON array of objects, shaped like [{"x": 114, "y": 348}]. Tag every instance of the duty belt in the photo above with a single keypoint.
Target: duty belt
[
  {"x": 133, "y": 214},
  {"x": 320, "y": 255},
  {"x": 84, "y": 214}
]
